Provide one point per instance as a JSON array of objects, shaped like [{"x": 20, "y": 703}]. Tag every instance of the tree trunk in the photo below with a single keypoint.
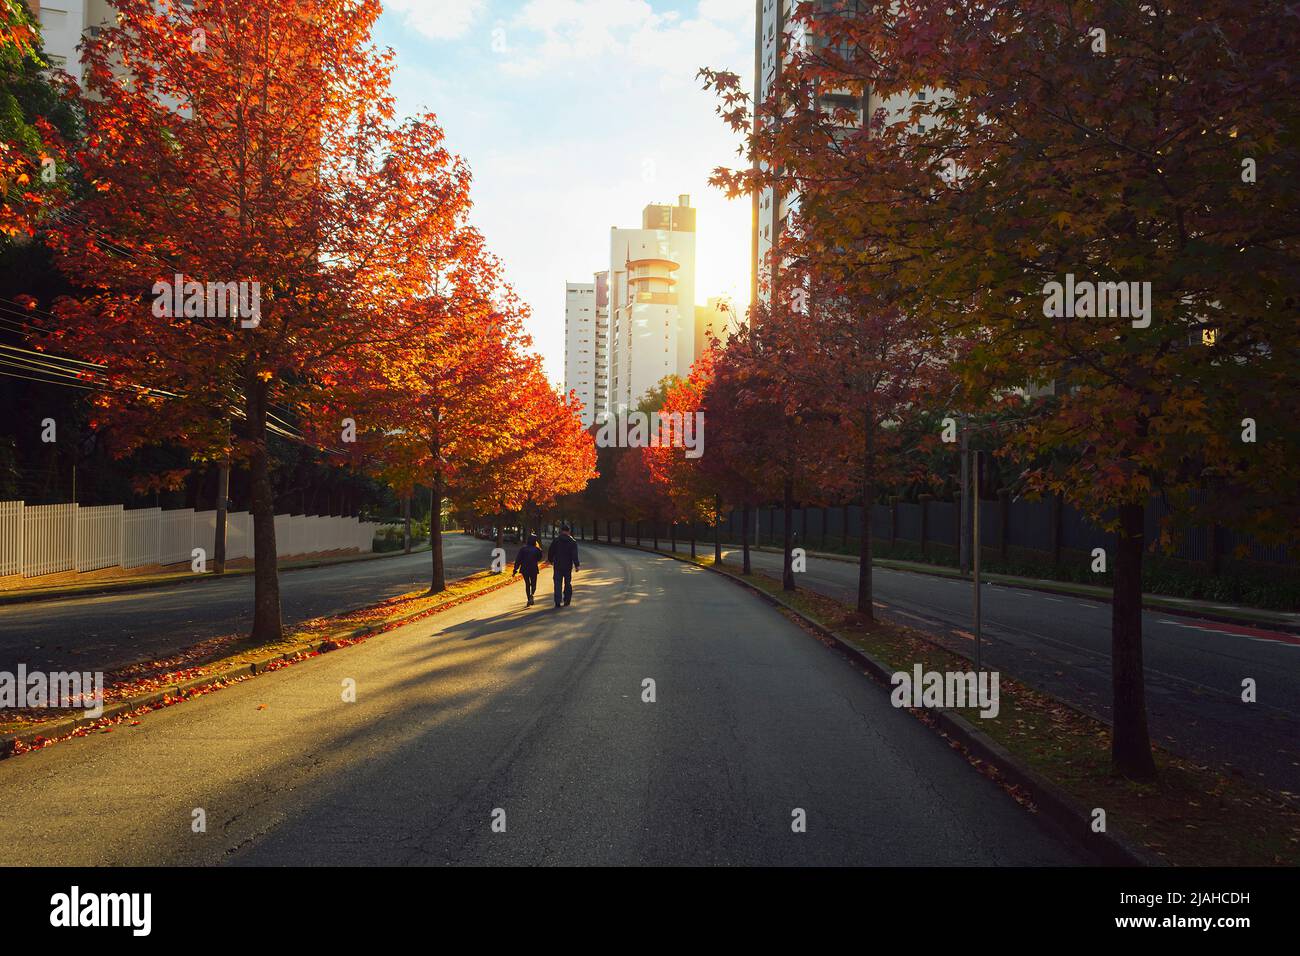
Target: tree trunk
[
  {"x": 672, "y": 535},
  {"x": 787, "y": 517},
  {"x": 864, "y": 544},
  {"x": 693, "y": 554},
  {"x": 744, "y": 540},
  {"x": 638, "y": 532},
  {"x": 622, "y": 531},
  {"x": 1130, "y": 741},
  {"x": 438, "y": 571},
  {"x": 223, "y": 497},
  {"x": 266, "y": 580}
]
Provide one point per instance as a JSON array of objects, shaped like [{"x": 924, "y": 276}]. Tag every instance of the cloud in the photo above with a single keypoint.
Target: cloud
[
  {"x": 608, "y": 116},
  {"x": 727, "y": 10},
  {"x": 437, "y": 19},
  {"x": 547, "y": 36}
]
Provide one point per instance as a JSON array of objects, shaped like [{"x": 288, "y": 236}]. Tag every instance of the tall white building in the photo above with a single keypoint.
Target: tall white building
[
  {"x": 580, "y": 345},
  {"x": 651, "y": 302},
  {"x": 642, "y": 324},
  {"x": 775, "y": 36},
  {"x": 601, "y": 402},
  {"x": 64, "y": 23}
]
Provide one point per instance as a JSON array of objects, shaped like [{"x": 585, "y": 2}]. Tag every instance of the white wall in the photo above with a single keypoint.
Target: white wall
[{"x": 49, "y": 539}]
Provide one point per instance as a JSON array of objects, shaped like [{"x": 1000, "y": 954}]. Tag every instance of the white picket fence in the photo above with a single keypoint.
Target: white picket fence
[{"x": 48, "y": 539}]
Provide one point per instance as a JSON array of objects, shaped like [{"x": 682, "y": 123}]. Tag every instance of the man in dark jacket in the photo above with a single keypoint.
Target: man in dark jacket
[
  {"x": 527, "y": 560},
  {"x": 563, "y": 555}
]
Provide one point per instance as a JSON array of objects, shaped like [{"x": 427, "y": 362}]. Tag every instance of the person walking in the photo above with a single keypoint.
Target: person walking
[
  {"x": 527, "y": 560},
  {"x": 563, "y": 555}
]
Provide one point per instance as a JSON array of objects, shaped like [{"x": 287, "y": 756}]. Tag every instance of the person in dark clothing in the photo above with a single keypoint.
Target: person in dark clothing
[
  {"x": 563, "y": 555},
  {"x": 527, "y": 560}
]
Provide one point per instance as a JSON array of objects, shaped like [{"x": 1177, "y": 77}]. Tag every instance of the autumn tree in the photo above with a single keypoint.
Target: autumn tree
[
  {"x": 822, "y": 135},
  {"x": 557, "y": 455},
  {"x": 673, "y": 466},
  {"x": 433, "y": 405},
  {"x": 1091, "y": 199},
  {"x": 794, "y": 422},
  {"x": 536, "y": 452},
  {"x": 245, "y": 148},
  {"x": 35, "y": 125},
  {"x": 637, "y": 495},
  {"x": 731, "y": 468}
]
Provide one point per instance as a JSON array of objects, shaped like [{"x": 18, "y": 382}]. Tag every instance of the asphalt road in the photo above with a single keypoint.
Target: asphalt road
[
  {"x": 98, "y": 632},
  {"x": 1061, "y": 644},
  {"x": 535, "y": 717}
]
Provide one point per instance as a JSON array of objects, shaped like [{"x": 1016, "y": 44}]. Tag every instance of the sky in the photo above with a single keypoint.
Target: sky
[{"x": 573, "y": 115}]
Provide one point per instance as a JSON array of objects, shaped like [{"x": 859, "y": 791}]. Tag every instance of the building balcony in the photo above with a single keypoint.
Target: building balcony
[
  {"x": 656, "y": 298},
  {"x": 640, "y": 268}
]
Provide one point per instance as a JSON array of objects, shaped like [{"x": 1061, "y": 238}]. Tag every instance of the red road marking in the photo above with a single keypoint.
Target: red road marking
[{"x": 1258, "y": 633}]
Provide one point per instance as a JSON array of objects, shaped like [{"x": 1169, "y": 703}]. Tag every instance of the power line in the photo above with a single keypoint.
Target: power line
[{"x": 274, "y": 426}]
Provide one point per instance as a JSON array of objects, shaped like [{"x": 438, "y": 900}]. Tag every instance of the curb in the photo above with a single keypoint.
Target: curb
[
  {"x": 60, "y": 729},
  {"x": 1059, "y": 807},
  {"x": 1245, "y": 618},
  {"x": 34, "y": 595}
]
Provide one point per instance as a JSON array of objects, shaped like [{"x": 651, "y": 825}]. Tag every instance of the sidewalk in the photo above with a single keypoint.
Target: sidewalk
[
  {"x": 1209, "y": 610},
  {"x": 165, "y": 578}
]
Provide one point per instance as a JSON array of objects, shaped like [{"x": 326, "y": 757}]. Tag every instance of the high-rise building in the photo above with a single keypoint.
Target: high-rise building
[
  {"x": 651, "y": 302},
  {"x": 601, "y": 392},
  {"x": 715, "y": 320},
  {"x": 642, "y": 326},
  {"x": 580, "y": 345},
  {"x": 770, "y": 211},
  {"x": 65, "y": 22},
  {"x": 775, "y": 37}
]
